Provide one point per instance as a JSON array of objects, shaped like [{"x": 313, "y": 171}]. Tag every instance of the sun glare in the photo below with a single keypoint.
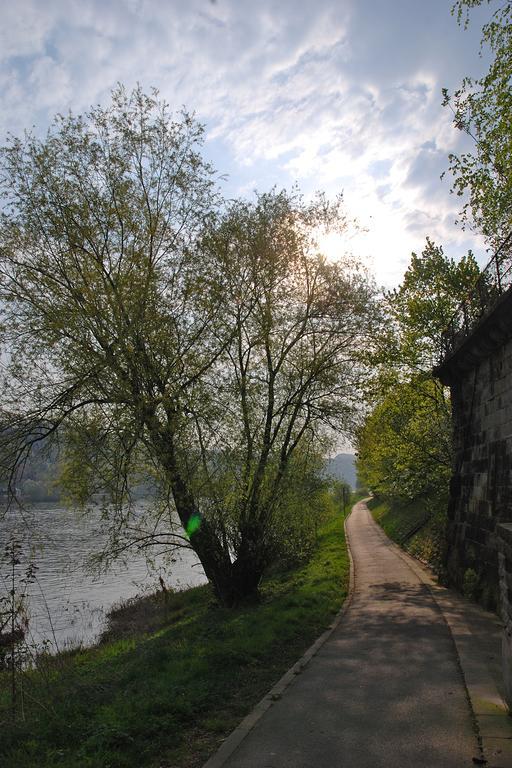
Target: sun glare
[{"x": 332, "y": 245}]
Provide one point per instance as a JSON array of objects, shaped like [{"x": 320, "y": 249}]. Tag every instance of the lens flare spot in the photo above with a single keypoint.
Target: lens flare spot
[{"x": 193, "y": 524}]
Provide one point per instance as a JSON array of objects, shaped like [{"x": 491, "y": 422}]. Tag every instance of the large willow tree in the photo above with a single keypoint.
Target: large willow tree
[{"x": 156, "y": 332}]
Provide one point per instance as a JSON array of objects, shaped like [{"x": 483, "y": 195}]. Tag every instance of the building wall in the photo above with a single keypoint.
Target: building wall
[{"x": 480, "y": 379}]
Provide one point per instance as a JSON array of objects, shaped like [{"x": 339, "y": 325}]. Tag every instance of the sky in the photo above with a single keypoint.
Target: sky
[{"x": 332, "y": 95}]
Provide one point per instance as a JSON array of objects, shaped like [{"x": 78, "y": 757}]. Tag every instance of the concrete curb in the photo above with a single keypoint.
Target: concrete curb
[
  {"x": 236, "y": 737},
  {"x": 490, "y": 712}
]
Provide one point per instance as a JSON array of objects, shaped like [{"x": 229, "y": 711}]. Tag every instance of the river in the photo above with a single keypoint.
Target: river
[{"x": 67, "y": 603}]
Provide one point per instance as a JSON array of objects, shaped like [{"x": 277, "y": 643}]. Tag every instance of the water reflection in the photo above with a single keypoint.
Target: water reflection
[{"x": 67, "y": 603}]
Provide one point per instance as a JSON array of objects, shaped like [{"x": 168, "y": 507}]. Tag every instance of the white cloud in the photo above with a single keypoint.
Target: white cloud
[
  {"x": 333, "y": 94},
  {"x": 25, "y": 25},
  {"x": 50, "y": 83}
]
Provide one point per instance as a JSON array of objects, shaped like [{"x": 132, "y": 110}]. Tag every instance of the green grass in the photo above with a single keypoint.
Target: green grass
[
  {"x": 165, "y": 691},
  {"x": 414, "y": 527}
]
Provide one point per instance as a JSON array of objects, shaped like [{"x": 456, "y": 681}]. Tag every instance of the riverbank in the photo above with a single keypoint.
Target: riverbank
[
  {"x": 174, "y": 674},
  {"x": 68, "y": 601}
]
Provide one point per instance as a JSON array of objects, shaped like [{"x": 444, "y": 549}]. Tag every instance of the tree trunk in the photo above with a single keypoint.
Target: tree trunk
[
  {"x": 232, "y": 581},
  {"x": 250, "y": 563}
]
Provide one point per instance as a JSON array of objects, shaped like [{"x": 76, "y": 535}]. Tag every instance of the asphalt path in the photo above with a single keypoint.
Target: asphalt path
[{"x": 385, "y": 690}]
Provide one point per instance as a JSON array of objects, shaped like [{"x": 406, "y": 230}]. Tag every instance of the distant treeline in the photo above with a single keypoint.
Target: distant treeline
[{"x": 40, "y": 477}]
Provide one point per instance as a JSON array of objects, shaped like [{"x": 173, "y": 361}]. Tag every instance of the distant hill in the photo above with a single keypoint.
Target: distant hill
[
  {"x": 41, "y": 472},
  {"x": 343, "y": 467}
]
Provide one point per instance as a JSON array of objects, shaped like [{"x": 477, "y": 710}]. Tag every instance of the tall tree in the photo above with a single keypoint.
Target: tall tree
[
  {"x": 289, "y": 374},
  {"x": 482, "y": 108},
  {"x": 155, "y": 331},
  {"x": 404, "y": 442},
  {"x": 415, "y": 314}
]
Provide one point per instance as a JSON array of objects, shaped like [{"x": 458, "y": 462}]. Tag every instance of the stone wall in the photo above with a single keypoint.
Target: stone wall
[
  {"x": 479, "y": 374},
  {"x": 504, "y": 539}
]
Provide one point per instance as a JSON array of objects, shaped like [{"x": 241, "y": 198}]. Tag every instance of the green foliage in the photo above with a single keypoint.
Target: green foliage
[
  {"x": 404, "y": 443},
  {"x": 483, "y": 109},
  {"x": 169, "y": 693},
  {"x": 418, "y": 526},
  {"x": 417, "y": 312},
  {"x": 470, "y": 584},
  {"x": 341, "y": 493},
  {"x": 165, "y": 336},
  {"x": 301, "y": 508}
]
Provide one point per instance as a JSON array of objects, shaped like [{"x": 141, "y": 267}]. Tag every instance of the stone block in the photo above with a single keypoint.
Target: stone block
[
  {"x": 504, "y": 531},
  {"x": 506, "y": 656},
  {"x": 481, "y": 493}
]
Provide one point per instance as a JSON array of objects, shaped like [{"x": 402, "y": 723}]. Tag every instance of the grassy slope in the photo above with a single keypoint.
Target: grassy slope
[
  {"x": 166, "y": 697},
  {"x": 398, "y": 521}
]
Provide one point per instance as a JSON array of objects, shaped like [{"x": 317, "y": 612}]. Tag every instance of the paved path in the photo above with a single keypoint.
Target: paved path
[{"x": 385, "y": 690}]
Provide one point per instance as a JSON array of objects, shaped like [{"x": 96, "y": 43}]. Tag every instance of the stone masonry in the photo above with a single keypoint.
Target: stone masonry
[{"x": 479, "y": 373}]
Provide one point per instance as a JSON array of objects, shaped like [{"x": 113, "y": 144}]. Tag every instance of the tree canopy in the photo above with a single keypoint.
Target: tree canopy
[
  {"x": 404, "y": 442},
  {"x": 404, "y": 446},
  {"x": 415, "y": 314},
  {"x": 157, "y": 331},
  {"x": 482, "y": 108}
]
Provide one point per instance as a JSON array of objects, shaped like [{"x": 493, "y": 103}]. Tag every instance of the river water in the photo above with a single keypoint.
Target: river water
[{"x": 67, "y": 603}]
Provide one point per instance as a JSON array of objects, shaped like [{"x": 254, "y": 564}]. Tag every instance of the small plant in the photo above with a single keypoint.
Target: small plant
[
  {"x": 14, "y": 618},
  {"x": 470, "y": 584}
]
